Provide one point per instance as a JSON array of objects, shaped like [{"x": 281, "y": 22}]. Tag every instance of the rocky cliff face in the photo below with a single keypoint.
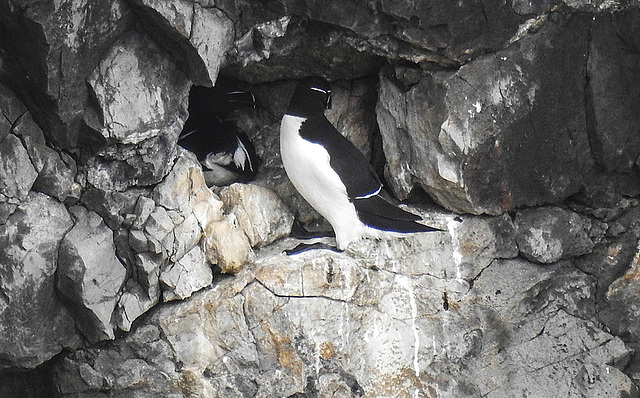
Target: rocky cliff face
[{"x": 512, "y": 126}]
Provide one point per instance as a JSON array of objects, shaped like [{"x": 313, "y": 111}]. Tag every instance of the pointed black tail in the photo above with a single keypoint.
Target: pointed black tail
[{"x": 379, "y": 213}]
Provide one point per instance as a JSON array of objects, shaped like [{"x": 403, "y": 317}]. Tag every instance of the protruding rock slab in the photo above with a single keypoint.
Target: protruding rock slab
[
  {"x": 492, "y": 136},
  {"x": 198, "y": 36},
  {"x": 90, "y": 275},
  {"x": 141, "y": 96},
  {"x": 260, "y": 212},
  {"x": 550, "y": 234},
  {"x": 34, "y": 325}
]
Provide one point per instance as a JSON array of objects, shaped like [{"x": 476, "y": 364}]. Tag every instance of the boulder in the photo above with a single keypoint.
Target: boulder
[
  {"x": 89, "y": 274},
  {"x": 141, "y": 99},
  {"x": 550, "y": 234},
  {"x": 11, "y": 108},
  {"x": 226, "y": 244},
  {"x": 34, "y": 325},
  {"x": 491, "y": 136},
  {"x": 261, "y": 214}
]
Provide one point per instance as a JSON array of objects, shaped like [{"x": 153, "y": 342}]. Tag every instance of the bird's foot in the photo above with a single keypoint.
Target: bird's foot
[{"x": 303, "y": 247}]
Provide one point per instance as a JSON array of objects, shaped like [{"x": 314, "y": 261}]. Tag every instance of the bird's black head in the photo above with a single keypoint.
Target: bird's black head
[{"x": 312, "y": 97}]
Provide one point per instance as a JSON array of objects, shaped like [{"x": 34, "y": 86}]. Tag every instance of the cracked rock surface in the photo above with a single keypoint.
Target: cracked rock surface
[
  {"x": 318, "y": 322},
  {"x": 511, "y": 126}
]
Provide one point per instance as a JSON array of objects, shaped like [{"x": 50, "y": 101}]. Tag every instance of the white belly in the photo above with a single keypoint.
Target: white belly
[{"x": 308, "y": 168}]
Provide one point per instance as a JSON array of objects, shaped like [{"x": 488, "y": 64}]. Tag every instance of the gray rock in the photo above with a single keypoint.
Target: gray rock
[
  {"x": 338, "y": 41},
  {"x": 291, "y": 47},
  {"x": 133, "y": 302},
  {"x": 56, "y": 172},
  {"x": 189, "y": 274},
  {"x": 550, "y": 234},
  {"x": 477, "y": 140},
  {"x": 262, "y": 216},
  {"x": 353, "y": 112},
  {"x": 226, "y": 244},
  {"x": 10, "y": 108},
  {"x": 50, "y": 50},
  {"x": 614, "y": 91},
  {"x": 625, "y": 314},
  {"x": 148, "y": 271},
  {"x": 185, "y": 191},
  {"x": 15, "y": 182},
  {"x": 325, "y": 321},
  {"x": 90, "y": 275},
  {"x": 490, "y": 107},
  {"x": 34, "y": 325},
  {"x": 159, "y": 232},
  {"x": 144, "y": 207},
  {"x": 198, "y": 36},
  {"x": 141, "y": 95}
]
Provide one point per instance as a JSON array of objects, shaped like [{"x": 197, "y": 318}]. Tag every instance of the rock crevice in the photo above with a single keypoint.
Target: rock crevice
[{"x": 511, "y": 126}]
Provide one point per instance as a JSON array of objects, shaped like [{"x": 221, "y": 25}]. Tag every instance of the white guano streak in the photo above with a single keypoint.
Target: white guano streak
[
  {"x": 405, "y": 282},
  {"x": 455, "y": 245}
]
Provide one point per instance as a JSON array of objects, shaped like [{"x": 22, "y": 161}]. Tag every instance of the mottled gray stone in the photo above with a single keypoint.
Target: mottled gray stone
[
  {"x": 184, "y": 190},
  {"x": 226, "y": 244},
  {"x": 133, "y": 302},
  {"x": 141, "y": 95},
  {"x": 614, "y": 90},
  {"x": 34, "y": 325},
  {"x": 325, "y": 321},
  {"x": 133, "y": 104},
  {"x": 144, "y": 207},
  {"x": 197, "y": 35},
  {"x": 188, "y": 274},
  {"x": 10, "y": 108},
  {"x": 56, "y": 171},
  {"x": 90, "y": 276},
  {"x": 549, "y": 234},
  {"x": 478, "y": 140},
  {"x": 624, "y": 313},
  {"x": 353, "y": 112},
  {"x": 51, "y": 49},
  {"x": 15, "y": 182},
  {"x": 261, "y": 214}
]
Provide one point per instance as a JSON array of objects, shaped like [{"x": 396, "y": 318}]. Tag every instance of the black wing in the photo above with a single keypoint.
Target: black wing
[
  {"x": 379, "y": 213},
  {"x": 354, "y": 169}
]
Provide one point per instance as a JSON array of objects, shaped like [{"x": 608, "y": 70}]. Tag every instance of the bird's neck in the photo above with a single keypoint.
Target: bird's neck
[{"x": 305, "y": 109}]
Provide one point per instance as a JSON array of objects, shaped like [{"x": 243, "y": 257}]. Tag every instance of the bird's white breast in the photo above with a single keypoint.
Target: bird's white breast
[{"x": 308, "y": 166}]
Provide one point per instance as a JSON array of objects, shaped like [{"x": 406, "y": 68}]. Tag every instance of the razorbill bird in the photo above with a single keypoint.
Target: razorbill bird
[
  {"x": 225, "y": 152},
  {"x": 333, "y": 175}
]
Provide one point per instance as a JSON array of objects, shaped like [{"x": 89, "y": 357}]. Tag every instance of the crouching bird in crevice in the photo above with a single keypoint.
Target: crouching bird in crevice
[
  {"x": 225, "y": 152},
  {"x": 333, "y": 175}
]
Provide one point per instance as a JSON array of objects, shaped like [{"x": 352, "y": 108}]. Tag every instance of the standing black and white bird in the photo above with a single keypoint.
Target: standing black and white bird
[
  {"x": 333, "y": 175},
  {"x": 226, "y": 153}
]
